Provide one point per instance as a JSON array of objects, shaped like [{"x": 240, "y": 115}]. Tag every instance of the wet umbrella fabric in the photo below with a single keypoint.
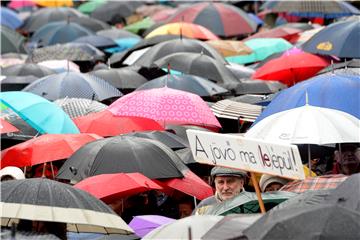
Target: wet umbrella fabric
[
  {"x": 28, "y": 106},
  {"x": 11, "y": 41},
  {"x": 6, "y": 127},
  {"x": 348, "y": 65},
  {"x": 9, "y": 18},
  {"x": 90, "y": 23},
  {"x": 76, "y": 107},
  {"x": 13, "y": 83},
  {"x": 144, "y": 224},
  {"x": 41, "y": 199},
  {"x": 27, "y": 69},
  {"x": 229, "y": 48},
  {"x": 45, "y": 148},
  {"x": 115, "y": 33},
  {"x": 73, "y": 85},
  {"x": 97, "y": 41}
]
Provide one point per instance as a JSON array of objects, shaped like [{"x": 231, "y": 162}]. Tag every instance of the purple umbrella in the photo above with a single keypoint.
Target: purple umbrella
[{"x": 144, "y": 224}]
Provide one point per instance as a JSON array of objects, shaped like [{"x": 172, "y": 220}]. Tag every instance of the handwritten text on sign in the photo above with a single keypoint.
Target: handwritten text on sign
[{"x": 247, "y": 154}]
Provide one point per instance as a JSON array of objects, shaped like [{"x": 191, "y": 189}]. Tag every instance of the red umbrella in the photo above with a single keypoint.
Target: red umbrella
[
  {"x": 6, "y": 127},
  {"x": 289, "y": 34},
  {"x": 108, "y": 187},
  {"x": 291, "y": 68},
  {"x": 45, "y": 148},
  {"x": 105, "y": 124}
]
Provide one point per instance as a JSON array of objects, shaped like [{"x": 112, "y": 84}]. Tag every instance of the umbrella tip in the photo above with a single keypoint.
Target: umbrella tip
[{"x": 73, "y": 170}]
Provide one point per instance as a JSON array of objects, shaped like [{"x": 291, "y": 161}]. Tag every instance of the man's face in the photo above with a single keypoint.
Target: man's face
[
  {"x": 228, "y": 186},
  {"x": 185, "y": 210},
  {"x": 349, "y": 161}
]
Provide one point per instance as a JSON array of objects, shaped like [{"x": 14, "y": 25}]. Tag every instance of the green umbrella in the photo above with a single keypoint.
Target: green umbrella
[
  {"x": 140, "y": 25},
  {"x": 11, "y": 41},
  {"x": 247, "y": 202},
  {"x": 90, "y": 6},
  {"x": 262, "y": 48}
]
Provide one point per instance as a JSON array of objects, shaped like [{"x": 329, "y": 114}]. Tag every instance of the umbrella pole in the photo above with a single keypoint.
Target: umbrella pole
[
  {"x": 309, "y": 158},
  {"x": 194, "y": 201},
  {"x": 43, "y": 172},
  {"x": 189, "y": 233},
  {"x": 52, "y": 170},
  {"x": 258, "y": 193}
]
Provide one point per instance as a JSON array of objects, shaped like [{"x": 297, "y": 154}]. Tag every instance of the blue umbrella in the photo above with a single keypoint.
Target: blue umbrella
[
  {"x": 59, "y": 32},
  {"x": 340, "y": 39},
  {"x": 73, "y": 85},
  {"x": 123, "y": 44},
  {"x": 337, "y": 91},
  {"x": 44, "y": 116},
  {"x": 10, "y": 18}
]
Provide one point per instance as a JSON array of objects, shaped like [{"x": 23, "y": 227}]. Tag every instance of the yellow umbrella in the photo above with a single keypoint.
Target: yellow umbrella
[
  {"x": 54, "y": 3},
  {"x": 229, "y": 48},
  {"x": 189, "y": 30}
]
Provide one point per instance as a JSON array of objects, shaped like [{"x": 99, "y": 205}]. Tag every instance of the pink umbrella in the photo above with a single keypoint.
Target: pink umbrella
[
  {"x": 166, "y": 105},
  {"x": 17, "y": 4}
]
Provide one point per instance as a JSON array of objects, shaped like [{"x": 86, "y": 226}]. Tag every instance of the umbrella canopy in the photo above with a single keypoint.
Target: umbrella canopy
[
  {"x": 54, "y": 3},
  {"x": 109, "y": 187},
  {"x": 21, "y": 4},
  {"x": 257, "y": 99},
  {"x": 26, "y": 132},
  {"x": 47, "y": 15},
  {"x": 13, "y": 83},
  {"x": 89, "y": 6},
  {"x": 287, "y": 33},
  {"x": 188, "y": 83},
  {"x": 11, "y": 41},
  {"x": 59, "y": 32},
  {"x": 121, "y": 154},
  {"x": 60, "y": 66},
  {"x": 167, "y": 105},
  {"x": 197, "y": 64},
  {"x": 347, "y": 65},
  {"x": 261, "y": 49},
  {"x": 48, "y": 200},
  {"x": 307, "y": 125},
  {"x": 73, "y": 85},
  {"x": 76, "y": 107},
  {"x": 45, "y": 148},
  {"x": 105, "y": 124},
  {"x": 179, "y": 229},
  {"x": 229, "y": 48},
  {"x": 291, "y": 68},
  {"x": 9, "y": 18},
  {"x": 189, "y": 30},
  {"x": 336, "y": 91},
  {"x": 28, "y": 106},
  {"x": 6, "y": 127},
  {"x": 144, "y": 224},
  {"x": 325, "y": 43},
  {"x": 27, "y": 69},
  {"x": 90, "y": 23},
  {"x": 115, "y": 33},
  {"x": 141, "y": 25},
  {"x": 311, "y": 222},
  {"x": 97, "y": 41},
  {"x": 217, "y": 17}
]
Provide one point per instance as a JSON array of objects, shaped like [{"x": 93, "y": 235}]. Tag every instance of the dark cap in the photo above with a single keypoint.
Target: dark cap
[{"x": 222, "y": 171}]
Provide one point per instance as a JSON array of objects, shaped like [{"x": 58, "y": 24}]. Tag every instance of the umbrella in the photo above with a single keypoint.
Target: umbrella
[
  {"x": 11, "y": 41},
  {"x": 325, "y": 43},
  {"x": 97, "y": 41},
  {"x": 123, "y": 78},
  {"x": 180, "y": 130},
  {"x": 261, "y": 100},
  {"x": 305, "y": 36},
  {"x": 255, "y": 86},
  {"x": 179, "y": 229},
  {"x": 336, "y": 91},
  {"x": 229, "y": 48},
  {"x": 167, "y": 138},
  {"x": 21, "y": 4},
  {"x": 54, "y": 3},
  {"x": 106, "y": 124},
  {"x": 188, "y": 83},
  {"x": 48, "y": 200},
  {"x": 6, "y": 62},
  {"x": 60, "y": 66},
  {"x": 27, "y": 69},
  {"x": 89, "y": 6},
  {"x": 287, "y": 33},
  {"x": 115, "y": 33},
  {"x": 123, "y": 44},
  {"x": 197, "y": 64},
  {"x": 28, "y": 106},
  {"x": 109, "y": 187},
  {"x": 347, "y": 65},
  {"x": 261, "y": 49},
  {"x": 90, "y": 23},
  {"x": 311, "y": 222},
  {"x": 73, "y": 85},
  {"x": 13, "y": 83},
  {"x": 307, "y": 125},
  {"x": 9, "y": 18},
  {"x": 217, "y": 17},
  {"x": 45, "y": 148},
  {"x": 76, "y": 107},
  {"x": 140, "y": 26},
  {"x": 26, "y": 132},
  {"x": 189, "y": 30},
  {"x": 58, "y": 32},
  {"x": 292, "y": 68},
  {"x": 314, "y": 183},
  {"x": 48, "y": 15},
  {"x": 6, "y": 127},
  {"x": 121, "y": 154},
  {"x": 144, "y": 224},
  {"x": 167, "y": 105}
]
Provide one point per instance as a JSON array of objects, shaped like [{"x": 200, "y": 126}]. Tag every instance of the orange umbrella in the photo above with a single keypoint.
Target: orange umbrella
[
  {"x": 189, "y": 30},
  {"x": 229, "y": 48},
  {"x": 54, "y": 3}
]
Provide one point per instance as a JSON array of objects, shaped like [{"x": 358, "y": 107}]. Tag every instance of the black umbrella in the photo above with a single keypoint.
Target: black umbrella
[
  {"x": 262, "y": 100},
  {"x": 121, "y": 78},
  {"x": 169, "y": 139},
  {"x": 76, "y": 107},
  {"x": 11, "y": 41},
  {"x": 97, "y": 41},
  {"x": 186, "y": 156},
  {"x": 27, "y": 69},
  {"x": 252, "y": 86},
  {"x": 73, "y": 85},
  {"x": 299, "y": 25},
  {"x": 90, "y": 23},
  {"x": 180, "y": 130},
  {"x": 197, "y": 64},
  {"x": 122, "y": 154},
  {"x": 354, "y": 63},
  {"x": 41, "y": 199},
  {"x": 14, "y": 83},
  {"x": 115, "y": 33},
  {"x": 313, "y": 222}
]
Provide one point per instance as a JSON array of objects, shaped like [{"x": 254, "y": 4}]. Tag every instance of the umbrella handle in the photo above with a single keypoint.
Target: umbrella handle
[
  {"x": 258, "y": 193},
  {"x": 43, "y": 172}
]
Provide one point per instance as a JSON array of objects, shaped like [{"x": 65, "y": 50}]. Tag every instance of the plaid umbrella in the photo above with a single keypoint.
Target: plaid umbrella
[
  {"x": 76, "y": 107},
  {"x": 314, "y": 183}
]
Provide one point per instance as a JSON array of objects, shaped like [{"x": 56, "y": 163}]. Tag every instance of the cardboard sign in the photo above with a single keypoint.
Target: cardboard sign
[{"x": 248, "y": 154}]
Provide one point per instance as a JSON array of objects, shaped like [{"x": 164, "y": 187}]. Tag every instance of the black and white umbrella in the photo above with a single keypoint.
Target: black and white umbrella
[{"x": 76, "y": 107}]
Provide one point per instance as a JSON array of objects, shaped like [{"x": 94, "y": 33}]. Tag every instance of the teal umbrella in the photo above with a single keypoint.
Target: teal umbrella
[
  {"x": 247, "y": 202},
  {"x": 262, "y": 48},
  {"x": 41, "y": 114}
]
